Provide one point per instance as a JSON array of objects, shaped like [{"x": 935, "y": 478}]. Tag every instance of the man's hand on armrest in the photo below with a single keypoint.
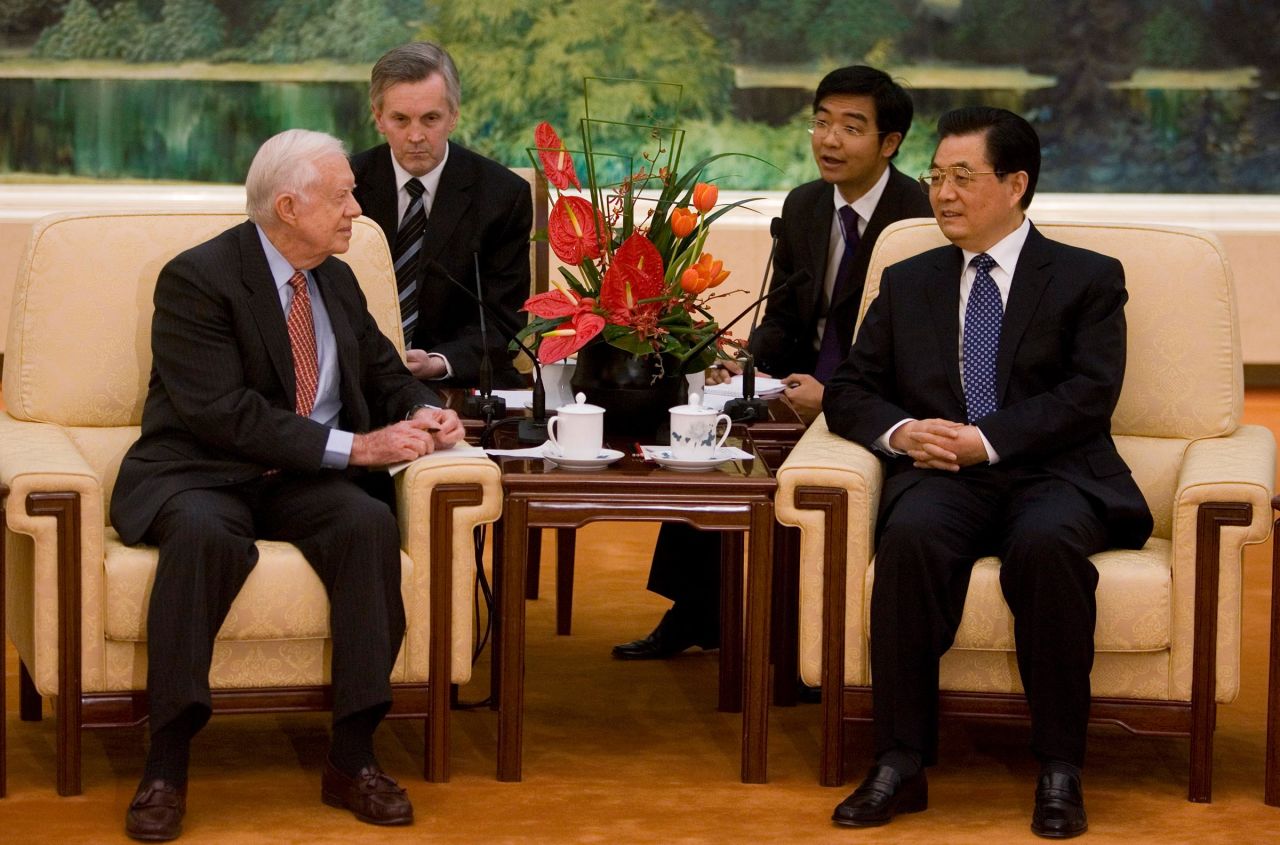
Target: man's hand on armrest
[
  {"x": 428, "y": 430},
  {"x": 445, "y": 426}
]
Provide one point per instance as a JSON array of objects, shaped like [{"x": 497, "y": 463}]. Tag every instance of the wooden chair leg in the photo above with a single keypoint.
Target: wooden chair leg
[
  {"x": 30, "y": 704},
  {"x": 731, "y": 646},
  {"x": 783, "y": 648},
  {"x": 1272, "y": 793},
  {"x": 566, "y": 546}
]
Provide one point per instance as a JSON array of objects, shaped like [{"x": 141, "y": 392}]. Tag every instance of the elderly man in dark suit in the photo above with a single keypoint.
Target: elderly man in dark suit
[
  {"x": 272, "y": 390},
  {"x": 985, "y": 373},
  {"x": 442, "y": 208},
  {"x": 830, "y": 225}
]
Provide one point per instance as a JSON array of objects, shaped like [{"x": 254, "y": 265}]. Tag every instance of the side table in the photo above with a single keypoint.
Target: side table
[{"x": 736, "y": 497}]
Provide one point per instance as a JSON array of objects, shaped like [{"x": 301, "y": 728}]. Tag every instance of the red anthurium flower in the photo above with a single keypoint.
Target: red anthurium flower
[
  {"x": 683, "y": 221},
  {"x": 553, "y": 303},
  {"x": 705, "y": 196},
  {"x": 556, "y": 161},
  {"x": 560, "y": 343},
  {"x": 572, "y": 229},
  {"x": 635, "y": 274}
]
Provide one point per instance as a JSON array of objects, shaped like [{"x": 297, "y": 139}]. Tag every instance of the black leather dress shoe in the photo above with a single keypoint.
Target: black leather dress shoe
[
  {"x": 371, "y": 796},
  {"x": 671, "y": 637},
  {"x": 883, "y": 795},
  {"x": 156, "y": 811},
  {"x": 1059, "y": 812}
]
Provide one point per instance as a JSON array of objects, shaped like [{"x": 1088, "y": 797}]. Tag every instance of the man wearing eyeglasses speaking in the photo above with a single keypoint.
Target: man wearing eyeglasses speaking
[
  {"x": 860, "y": 117},
  {"x": 985, "y": 374}
]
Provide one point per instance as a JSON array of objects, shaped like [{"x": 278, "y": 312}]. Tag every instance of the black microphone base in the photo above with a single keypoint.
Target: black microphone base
[
  {"x": 531, "y": 432},
  {"x": 486, "y": 408},
  {"x": 747, "y": 410}
]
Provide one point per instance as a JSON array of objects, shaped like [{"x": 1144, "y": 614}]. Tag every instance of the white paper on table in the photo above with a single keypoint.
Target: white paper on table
[
  {"x": 460, "y": 449},
  {"x": 528, "y": 452},
  {"x": 766, "y": 388},
  {"x": 516, "y": 398},
  {"x": 725, "y": 452}
]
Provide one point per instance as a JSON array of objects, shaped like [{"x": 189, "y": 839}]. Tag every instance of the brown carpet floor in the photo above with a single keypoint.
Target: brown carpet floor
[{"x": 636, "y": 753}]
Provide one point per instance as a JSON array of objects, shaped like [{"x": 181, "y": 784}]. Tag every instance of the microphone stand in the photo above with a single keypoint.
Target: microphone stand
[
  {"x": 751, "y": 408},
  {"x": 484, "y": 405},
  {"x": 532, "y": 431}
]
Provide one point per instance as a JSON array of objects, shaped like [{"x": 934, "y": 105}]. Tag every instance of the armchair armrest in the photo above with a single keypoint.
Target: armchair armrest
[
  {"x": 55, "y": 497},
  {"x": 829, "y": 488},
  {"x": 440, "y": 501},
  {"x": 1236, "y": 472}
]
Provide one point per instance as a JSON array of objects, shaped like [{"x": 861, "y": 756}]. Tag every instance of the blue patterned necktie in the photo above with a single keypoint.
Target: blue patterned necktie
[
  {"x": 407, "y": 255},
  {"x": 830, "y": 355},
  {"x": 982, "y": 316}
]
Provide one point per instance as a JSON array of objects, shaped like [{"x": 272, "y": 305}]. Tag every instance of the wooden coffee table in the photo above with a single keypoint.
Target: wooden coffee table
[{"x": 736, "y": 497}]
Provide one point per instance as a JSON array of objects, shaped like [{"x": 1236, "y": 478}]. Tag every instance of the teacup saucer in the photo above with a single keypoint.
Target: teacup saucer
[
  {"x": 670, "y": 461},
  {"x": 600, "y": 461}
]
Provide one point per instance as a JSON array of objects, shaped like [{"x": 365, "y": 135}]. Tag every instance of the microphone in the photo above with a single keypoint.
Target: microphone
[
  {"x": 750, "y": 407},
  {"x": 485, "y": 405},
  {"x": 533, "y": 430}
]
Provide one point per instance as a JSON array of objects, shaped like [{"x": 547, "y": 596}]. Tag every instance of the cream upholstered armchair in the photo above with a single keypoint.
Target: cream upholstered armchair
[
  {"x": 1168, "y": 627},
  {"x": 75, "y": 378}
]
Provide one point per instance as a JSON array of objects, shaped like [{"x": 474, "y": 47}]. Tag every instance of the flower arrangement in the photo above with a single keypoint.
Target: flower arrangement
[{"x": 637, "y": 276}]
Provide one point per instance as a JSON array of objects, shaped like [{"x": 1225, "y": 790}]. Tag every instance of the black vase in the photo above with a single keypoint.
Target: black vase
[{"x": 636, "y": 391}]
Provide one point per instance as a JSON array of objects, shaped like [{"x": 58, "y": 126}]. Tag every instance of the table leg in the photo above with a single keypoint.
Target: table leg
[
  {"x": 511, "y": 638},
  {"x": 566, "y": 546},
  {"x": 755, "y": 710},
  {"x": 730, "y": 622},
  {"x": 1272, "y": 793},
  {"x": 534, "y": 578},
  {"x": 786, "y": 615}
]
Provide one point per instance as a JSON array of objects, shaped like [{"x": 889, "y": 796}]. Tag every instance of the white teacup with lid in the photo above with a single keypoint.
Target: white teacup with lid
[
  {"x": 577, "y": 429},
  {"x": 694, "y": 431}
]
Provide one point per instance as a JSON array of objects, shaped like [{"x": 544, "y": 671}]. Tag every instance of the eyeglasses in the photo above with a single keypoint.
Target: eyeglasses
[
  {"x": 961, "y": 177},
  {"x": 818, "y": 127}
]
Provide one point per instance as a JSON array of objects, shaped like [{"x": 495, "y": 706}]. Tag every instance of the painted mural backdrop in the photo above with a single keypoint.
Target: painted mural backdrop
[{"x": 1128, "y": 95}]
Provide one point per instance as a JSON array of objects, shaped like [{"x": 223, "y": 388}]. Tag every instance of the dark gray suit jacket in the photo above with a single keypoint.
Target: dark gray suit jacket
[
  {"x": 481, "y": 209},
  {"x": 783, "y": 343},
  {"x": 1058, "y": 373},
  {"x": 220, "y": 402}
]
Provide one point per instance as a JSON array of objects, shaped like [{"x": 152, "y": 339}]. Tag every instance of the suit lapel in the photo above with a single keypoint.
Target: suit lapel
[
  {"x": 819, "y": 246},
  {"x": 1034, "y": 270},
  {"x": 450, "y": 204},
  {"x": 944, "y": 310},
  {"x": 887, "y": 211},
  {"x": 344, "y": 337},
  {"x": 264, "y": 304}
]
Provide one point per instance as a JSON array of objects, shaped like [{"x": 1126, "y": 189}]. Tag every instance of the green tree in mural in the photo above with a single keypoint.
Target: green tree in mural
[
  {"x": 1175, "y": 36},
  {"x": 28, "y": 17},
  {"x": 343, "y": 30},
  {"x": 185, "y": 29},
  {"x": 522, "y": 62},
  {"x": 821, "y": 31}
]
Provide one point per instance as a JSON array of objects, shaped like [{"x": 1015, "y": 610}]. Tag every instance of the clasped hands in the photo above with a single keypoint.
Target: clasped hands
[
  {"x": 426, "y": 431},
  {"x": 939, "y": 444}
]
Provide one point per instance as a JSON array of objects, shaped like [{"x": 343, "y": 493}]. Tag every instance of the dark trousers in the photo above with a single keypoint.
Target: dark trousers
[
  {"x": 206, "y": 541},
  {"x": 686, "y": 569},
  {"x": 1043, "y": 529}
]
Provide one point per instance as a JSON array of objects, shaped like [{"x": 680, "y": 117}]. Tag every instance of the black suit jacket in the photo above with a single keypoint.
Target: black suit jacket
[
  {"x": 481, "y": 208},
  {"x": 783, "y": 343},
  {"x": 1058, "y": 374},
  {"x": 221, "y": 397}
]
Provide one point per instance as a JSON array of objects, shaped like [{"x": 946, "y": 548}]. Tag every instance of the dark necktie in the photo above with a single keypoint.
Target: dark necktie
[
  {"x": 302, "y": 338},
  {"x": 830, "y": 353},
  {"x": 407, "y": 257},
  {"x": 982, "y": 316}
]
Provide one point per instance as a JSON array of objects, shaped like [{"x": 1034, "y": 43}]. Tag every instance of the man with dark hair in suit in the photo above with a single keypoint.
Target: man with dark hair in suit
[
  {"x": 271, "y": 391},
  {"x": 985, "y": 374},
  {"x": 860, "y": 118},
  {"x": 443, "y": 208}
]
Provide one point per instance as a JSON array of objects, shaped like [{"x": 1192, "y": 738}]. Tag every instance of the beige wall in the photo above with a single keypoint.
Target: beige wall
[{"x": 1248, "y": 226}]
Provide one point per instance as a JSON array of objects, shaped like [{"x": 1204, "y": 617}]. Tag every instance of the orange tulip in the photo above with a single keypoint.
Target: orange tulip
[
  {"x": 705, "y": 196},
  {"x": 693, "y": 281},
  {"x": 709, "y": 272},
  {"x": 683, "y": 221}
]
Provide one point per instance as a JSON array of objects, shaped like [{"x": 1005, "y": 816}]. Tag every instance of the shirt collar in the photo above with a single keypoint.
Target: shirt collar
[
  {"x": 281, "y": 270},
  {"x": 430, "y": 182},
  {"x": 1007, "y": 249},
  {"x": 865, "y": 205}
]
